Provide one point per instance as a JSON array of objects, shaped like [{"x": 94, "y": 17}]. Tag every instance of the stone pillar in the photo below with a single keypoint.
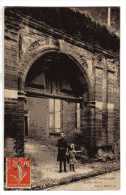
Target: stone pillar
[
  {"x": 10, "y": 107},
  {"x": 91, "y": 124},
  {"x": 19, "y": 141},
  {"x": 105, "y": 101}
]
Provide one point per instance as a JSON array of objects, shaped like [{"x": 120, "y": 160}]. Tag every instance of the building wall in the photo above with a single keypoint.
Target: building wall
[
  {"x": 69, "y": 120},
  {"x": 38, "y": 117},
  {"x": 25, "y": 42}
]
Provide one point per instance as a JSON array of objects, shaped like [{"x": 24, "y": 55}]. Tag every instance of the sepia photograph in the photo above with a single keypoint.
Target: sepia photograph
[{"x": 61, "y": 98}]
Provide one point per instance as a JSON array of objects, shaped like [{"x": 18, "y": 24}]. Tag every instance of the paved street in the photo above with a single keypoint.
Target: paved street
[
  {"x": 109, "y": 181},
  {"x": 44, "y": 167}
]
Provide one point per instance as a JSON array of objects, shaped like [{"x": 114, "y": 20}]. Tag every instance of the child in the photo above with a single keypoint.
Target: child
[{"x": 72, "y": 159}]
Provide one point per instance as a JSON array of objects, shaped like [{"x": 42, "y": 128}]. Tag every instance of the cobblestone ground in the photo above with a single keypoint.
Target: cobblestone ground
[{"x": 109, "y": 181}]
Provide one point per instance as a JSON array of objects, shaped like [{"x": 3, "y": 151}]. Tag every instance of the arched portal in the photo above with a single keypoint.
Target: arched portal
[{"x": 57, "y": 93}]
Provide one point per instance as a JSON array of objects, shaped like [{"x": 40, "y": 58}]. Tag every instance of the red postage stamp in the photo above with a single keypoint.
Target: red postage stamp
[{"x": 18, "y": 173}]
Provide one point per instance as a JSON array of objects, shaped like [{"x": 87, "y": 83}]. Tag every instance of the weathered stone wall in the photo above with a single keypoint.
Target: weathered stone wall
[
  {"x": 69, "y": 121},
  {"x": 11, "y": 51},
  {"x": 25, "y": 42},
  {"x": 38, "y": 118}
]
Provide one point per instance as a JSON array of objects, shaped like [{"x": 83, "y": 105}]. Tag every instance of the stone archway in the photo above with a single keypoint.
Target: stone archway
[
  {"x": 77, "y": 96},
  {"x": 87, "y": 103},
  {"x": 41, "y": 47}
]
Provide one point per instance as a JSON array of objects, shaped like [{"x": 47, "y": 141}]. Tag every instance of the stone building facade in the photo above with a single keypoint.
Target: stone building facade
[{"x": 61, "y": 74}]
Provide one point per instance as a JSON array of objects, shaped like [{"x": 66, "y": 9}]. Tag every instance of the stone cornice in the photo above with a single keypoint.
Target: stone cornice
[{"x": 44, "y": 28}]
